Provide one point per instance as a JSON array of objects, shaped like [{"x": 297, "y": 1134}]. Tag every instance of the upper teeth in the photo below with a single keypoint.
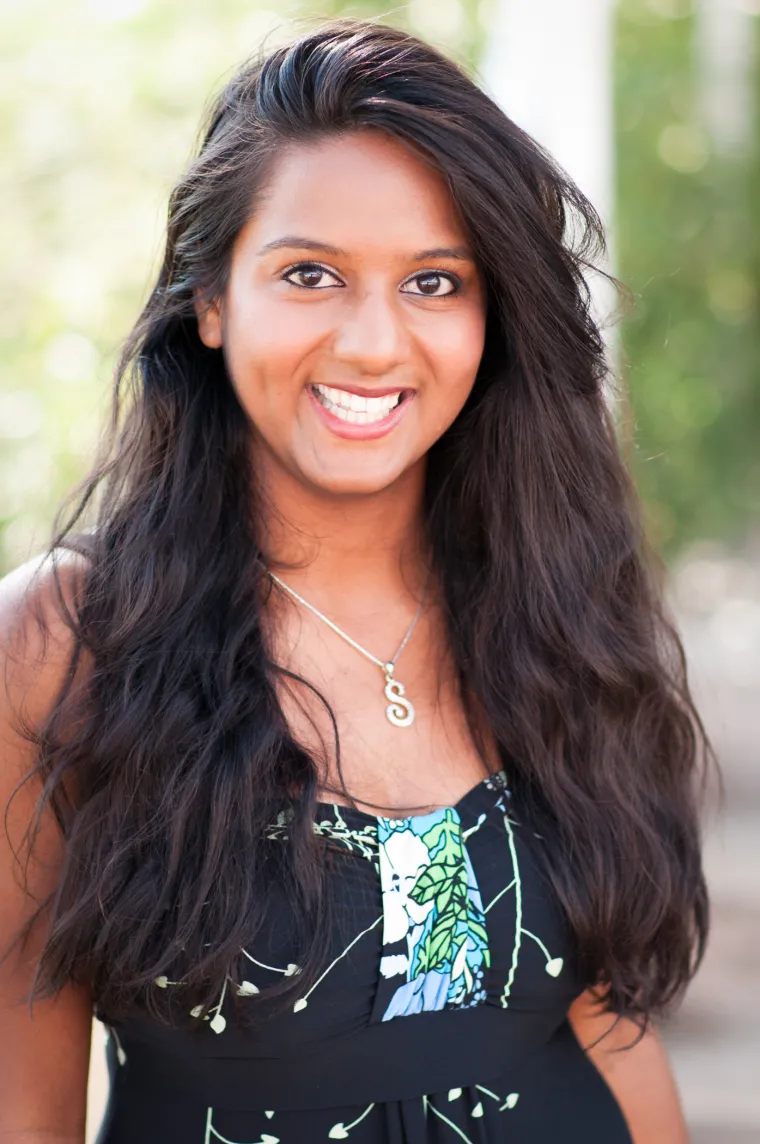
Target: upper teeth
[{"x": 352, "y": 407}]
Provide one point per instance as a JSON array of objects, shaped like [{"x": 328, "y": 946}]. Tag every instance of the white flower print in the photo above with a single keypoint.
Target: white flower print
[
  {"x": 404, "y": 856},
  {"x": 394, "y": 963}
]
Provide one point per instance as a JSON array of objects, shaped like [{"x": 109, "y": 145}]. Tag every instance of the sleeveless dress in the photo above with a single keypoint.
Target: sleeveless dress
[{"x": 439, "y": 1016}]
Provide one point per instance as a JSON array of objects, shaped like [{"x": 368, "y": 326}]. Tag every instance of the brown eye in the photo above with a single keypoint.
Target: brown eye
[
  {"x": 311, "y": 276},
  {"x": 430, "y": 284}
]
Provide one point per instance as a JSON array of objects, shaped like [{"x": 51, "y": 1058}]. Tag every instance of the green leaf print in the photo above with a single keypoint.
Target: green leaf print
[
  {"x": 479, "y": 931},
  {"x": 443, "y": 882},
  {"x": 448, "y": 832},
  {"x": 446, "y": 932},
  {"x": 431, "y": 882},
  {"x": 444, "y": 898},
  {"x": 440, "y": 946}
]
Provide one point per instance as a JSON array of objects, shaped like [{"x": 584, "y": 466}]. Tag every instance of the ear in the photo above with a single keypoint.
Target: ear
[{"x": 209, "y": 315}]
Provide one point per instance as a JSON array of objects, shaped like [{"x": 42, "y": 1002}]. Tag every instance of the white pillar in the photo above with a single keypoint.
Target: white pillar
[{"x": 548, "y": 64}]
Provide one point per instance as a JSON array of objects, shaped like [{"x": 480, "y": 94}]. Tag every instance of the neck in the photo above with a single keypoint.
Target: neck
[{"x": 331, "y": 545}]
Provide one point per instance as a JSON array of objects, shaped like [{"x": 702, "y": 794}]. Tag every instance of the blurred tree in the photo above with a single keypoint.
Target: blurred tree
[{"x": 688, "y": 243}]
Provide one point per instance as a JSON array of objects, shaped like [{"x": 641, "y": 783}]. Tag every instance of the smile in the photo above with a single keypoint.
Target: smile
[{"x": 353, "y": 408}]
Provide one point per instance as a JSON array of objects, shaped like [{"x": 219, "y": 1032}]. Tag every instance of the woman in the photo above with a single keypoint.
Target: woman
[{"x": 361, "y": 753}]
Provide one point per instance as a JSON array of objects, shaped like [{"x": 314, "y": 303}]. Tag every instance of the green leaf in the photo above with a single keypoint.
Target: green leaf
[
  {"x": 439, "y": 946},
  {"x": 428, "y": 884},
  {"x": 477, "y": 930},
  {"x": 445, "y": 899},
  {"x": 449, "y": 833}
]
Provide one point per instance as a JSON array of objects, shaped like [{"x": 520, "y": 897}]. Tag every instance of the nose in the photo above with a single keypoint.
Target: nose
[{"x": 371, "y": 337}]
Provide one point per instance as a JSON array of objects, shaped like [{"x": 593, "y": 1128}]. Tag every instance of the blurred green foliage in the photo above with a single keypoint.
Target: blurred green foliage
[
  {"x": 99, "y": 107},
  {"x": 688, "y": 245}
]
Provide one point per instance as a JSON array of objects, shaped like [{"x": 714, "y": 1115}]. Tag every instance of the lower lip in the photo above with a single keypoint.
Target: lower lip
[{"x": 353, "y": 432}]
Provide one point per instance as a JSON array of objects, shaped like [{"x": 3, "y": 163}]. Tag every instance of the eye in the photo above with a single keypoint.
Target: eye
[
  {"x": 311, "y": 275},
  {"x": 430, "y": 282}
]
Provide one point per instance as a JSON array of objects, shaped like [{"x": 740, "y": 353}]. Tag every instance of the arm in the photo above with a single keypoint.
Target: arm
[
  {"x": 43, "y": 1058},
  {"x": 640, "y": 1077}
]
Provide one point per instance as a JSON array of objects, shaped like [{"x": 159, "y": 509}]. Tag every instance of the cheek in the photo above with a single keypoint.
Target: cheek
[
  {"x": 456, "y": 351},
  {"x": 265, "y": 348}
]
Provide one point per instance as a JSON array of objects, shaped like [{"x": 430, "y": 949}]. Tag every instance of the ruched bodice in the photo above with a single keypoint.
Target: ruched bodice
[{"x": 439, "y": 1015}]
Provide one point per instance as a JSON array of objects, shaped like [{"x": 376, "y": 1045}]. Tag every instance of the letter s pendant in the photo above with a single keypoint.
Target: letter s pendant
[{"x": 399, "y": 711}]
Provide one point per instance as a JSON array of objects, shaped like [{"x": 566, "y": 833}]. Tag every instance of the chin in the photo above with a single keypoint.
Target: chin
[{"x": 355, "y": 483}]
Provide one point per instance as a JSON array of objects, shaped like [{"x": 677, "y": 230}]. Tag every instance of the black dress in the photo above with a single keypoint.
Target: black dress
[{"x": 440, "y": 1015}]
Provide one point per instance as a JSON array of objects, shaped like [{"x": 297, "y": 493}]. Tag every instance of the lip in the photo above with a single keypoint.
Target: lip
[{"x": 352, "y": 432}]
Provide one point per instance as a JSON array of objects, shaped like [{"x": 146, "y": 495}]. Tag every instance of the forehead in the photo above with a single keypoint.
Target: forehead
[{"x": 360, "y": 190}]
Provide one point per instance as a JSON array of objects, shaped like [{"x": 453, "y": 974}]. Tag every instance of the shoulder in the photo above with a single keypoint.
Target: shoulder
[
  {"x": 37, "y": 646},
  {"x": 38, "y": 630},
  {"x": 44, "y": 1057},
  {"x": 37, "y": 584}
]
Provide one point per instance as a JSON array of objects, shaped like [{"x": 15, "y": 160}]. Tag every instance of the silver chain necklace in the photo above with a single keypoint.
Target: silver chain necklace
[{"x": 399, "y": 711}]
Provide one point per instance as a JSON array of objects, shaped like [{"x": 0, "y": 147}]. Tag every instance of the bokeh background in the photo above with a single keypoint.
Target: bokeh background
[{"x": 653, "y": 105}]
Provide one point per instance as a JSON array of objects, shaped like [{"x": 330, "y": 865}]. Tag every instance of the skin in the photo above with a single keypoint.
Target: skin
[
  {"x": 640, "y": 1077},
  {"x": 44, "y": 1060},
  {"x": 342, "y": 522}
]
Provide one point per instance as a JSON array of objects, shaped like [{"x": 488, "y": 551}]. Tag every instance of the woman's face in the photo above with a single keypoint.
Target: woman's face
[{"x": 354, "y": 316}]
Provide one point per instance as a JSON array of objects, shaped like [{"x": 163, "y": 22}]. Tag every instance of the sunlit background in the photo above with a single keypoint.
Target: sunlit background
[{"x": 652, "y": 105}]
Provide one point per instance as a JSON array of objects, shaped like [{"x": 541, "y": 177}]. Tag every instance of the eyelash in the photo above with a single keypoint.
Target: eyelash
[{"x": 455, "y": 281}]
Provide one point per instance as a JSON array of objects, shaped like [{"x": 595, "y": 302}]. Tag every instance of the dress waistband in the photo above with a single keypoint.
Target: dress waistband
[{"x": 390, "y": 1061}]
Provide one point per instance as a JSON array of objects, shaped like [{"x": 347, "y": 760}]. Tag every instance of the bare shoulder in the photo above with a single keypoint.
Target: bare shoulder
[
  {"x": 32, "y": 597},
  {"x": 44, "y": 1056},
  {"x": 36, "y": 640},
  {"x": 635, "y": 1067}
]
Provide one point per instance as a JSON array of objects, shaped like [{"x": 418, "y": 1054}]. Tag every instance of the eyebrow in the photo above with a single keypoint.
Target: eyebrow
[{"x": 299, "y": 242}]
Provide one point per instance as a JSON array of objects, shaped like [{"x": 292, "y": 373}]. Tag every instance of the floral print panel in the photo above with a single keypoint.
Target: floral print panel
[{"x": 435, "y": 942}]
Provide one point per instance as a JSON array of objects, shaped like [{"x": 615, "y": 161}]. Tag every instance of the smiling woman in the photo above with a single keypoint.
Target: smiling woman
[
  {"x": 358, "y": 428},
  {"x": 379, "y": 344}
]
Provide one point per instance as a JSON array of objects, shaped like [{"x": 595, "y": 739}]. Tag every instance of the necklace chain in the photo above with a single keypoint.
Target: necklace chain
[{"x": 384, "y": 665}]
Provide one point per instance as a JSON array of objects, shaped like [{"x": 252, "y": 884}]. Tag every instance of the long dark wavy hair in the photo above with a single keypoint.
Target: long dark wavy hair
[{"x": 177, "y": 747}]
